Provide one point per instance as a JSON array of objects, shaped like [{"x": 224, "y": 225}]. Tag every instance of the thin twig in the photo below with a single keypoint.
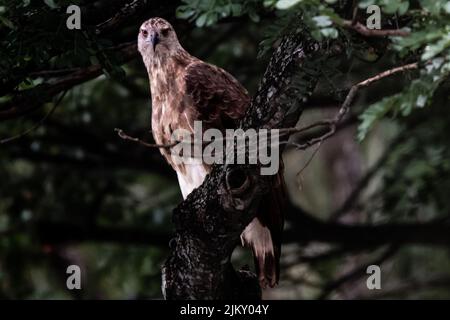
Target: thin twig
[
  {"x": 331, "y": 123},
  {"x": 355, "y": 12},
  {"x": 356, "y": 273},
  {"x": 408, "y": 288},
  {"x": 362, "y": 29},
  {"x": 37, "y": 125},
  {"x": 349, "y": 202},
  {"x": 302, "y": 129},
  {"x": 125, "y": 136},
  {"x": 127, "y": 11},
  {"x": 309, "y": 160},
  {"x": 343, "y": 110},
  {"x": 53, "y": 73},
  {"x": 24, "y": 101}
]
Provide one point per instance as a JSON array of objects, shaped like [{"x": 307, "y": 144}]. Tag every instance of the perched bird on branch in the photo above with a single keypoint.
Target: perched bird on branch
[{"x": 185, "y": 89}]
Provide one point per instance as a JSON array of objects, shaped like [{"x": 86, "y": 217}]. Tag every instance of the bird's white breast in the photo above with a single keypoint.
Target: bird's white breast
[{"x": 192, "y": 178}]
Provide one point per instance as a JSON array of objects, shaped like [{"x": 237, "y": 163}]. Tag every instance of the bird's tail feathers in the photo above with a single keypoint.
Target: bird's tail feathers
[{"x": 266, "y": 255}]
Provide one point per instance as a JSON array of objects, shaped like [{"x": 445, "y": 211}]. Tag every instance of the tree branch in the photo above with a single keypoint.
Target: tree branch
[
  {"x": 125, "y": 136},
  {"x": 362, "y": 29},
  {"x": 58, "y": 233},
  {"x": 37, "y": 125},
  {"x": 29, "y": 100},
  {"x": 332, "y": 123},
  {"x": 307, "y": 228},
  {"x": 355, "y": 273}
]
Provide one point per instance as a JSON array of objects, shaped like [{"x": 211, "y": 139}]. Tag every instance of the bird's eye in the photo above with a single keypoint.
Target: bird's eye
[
  {"x": 165, "y": 32},
  {"x": 144, "y": 32}
]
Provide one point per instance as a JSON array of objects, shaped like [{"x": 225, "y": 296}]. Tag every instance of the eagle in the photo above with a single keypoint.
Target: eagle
[{"x": 185, "y": 89}]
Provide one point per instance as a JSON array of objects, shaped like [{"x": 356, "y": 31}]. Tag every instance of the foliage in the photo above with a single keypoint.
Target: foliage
[
  {"x": 207, "y": 13},
  {"x": 429, "y": 38}
]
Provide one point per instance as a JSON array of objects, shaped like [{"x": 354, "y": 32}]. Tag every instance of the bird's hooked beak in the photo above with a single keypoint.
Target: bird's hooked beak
[{"x": 153, "y": 39}]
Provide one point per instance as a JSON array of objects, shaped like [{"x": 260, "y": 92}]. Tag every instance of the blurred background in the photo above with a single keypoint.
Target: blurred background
[{"x": 73, "y": 192}]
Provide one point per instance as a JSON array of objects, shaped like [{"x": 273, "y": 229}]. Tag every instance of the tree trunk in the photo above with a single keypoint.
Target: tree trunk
[{"x": 209, "y": 222}]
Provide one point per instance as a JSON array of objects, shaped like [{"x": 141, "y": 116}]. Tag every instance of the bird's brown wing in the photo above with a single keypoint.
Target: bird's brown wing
[{"x": 219, "y": 100}]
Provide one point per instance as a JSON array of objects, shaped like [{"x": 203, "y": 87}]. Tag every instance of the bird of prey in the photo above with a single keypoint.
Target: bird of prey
[{"x": 185, "y": 89}]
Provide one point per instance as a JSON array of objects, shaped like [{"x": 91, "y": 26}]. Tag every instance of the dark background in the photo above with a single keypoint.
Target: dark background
[{"x": 73, "y": 192}]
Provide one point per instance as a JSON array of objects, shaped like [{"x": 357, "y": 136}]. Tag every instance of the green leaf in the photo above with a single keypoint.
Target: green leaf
[
  {"x": 434, "y": 49},
  {"x": 329, "y": 33},
  {"x": 391, "y": 7},
  {"x": 51, "y": 4},
  {"x": 375, "y": 112},
  {"x": 254, "y": 16},
  {"x": 322, "y": 21},
  {"x": 365, "y": 3},
  {"x": 286, "y": 4},
  {"x": 201, "y": 21},
  {"x": 6, "y": 22},
  {"x": 403, "y": 8},
  {"x": 433, "y": 6},
  {"x": 417, "y": 95},
  {"x": 269, "y": 3},
  {"x": 211, "y": 19},
  {"x": 236, "y": 9},
  {"x": 447, "y": 7},
  {"x": 184, "y": 12},
  {"x": 316, "y": 34}
]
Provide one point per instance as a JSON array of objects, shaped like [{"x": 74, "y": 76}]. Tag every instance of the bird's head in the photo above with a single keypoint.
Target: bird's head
[{"x": 157, "y": 38}]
